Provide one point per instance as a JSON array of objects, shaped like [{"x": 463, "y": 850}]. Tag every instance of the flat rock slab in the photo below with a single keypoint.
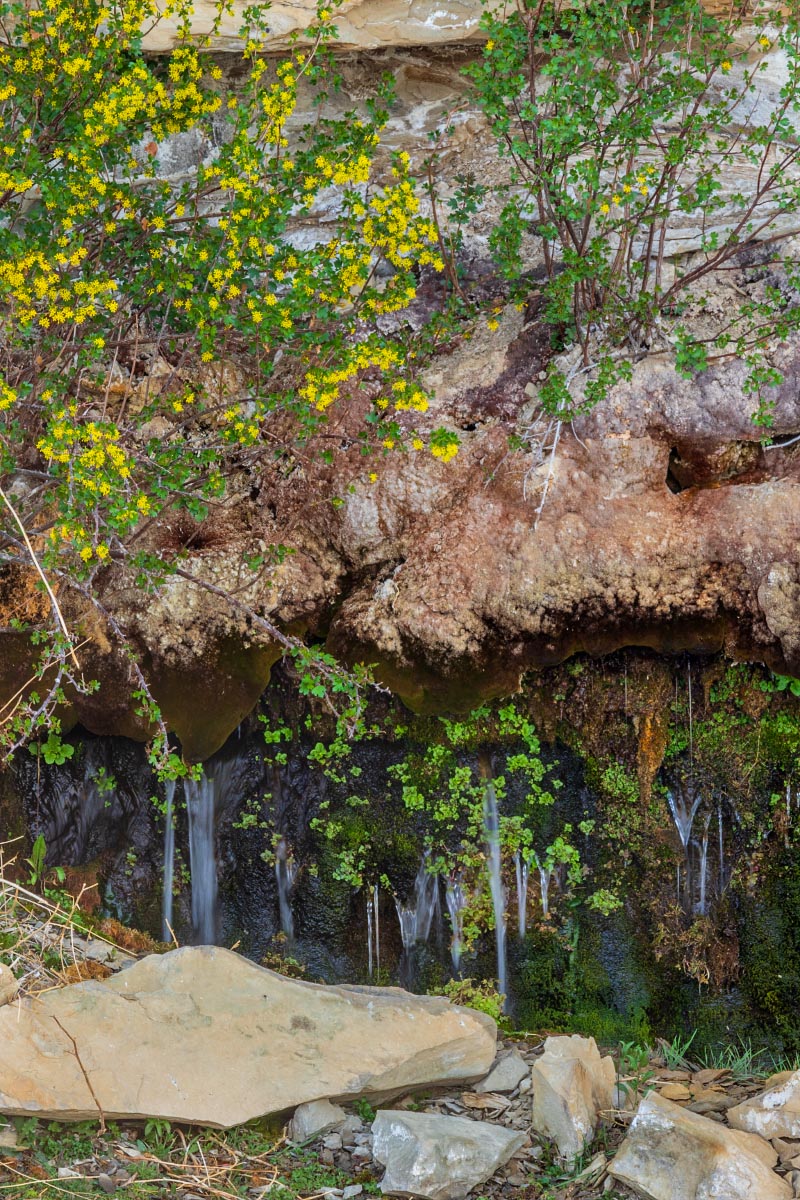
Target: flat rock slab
[
  {"x": 439, "y": 1158},
  {"x": 202, "y": 1035},
  {"x": 673, "y": 1154}
]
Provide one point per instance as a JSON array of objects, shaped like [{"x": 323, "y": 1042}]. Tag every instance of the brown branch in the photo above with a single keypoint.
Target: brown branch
[{"x": 84, "y": 1072}]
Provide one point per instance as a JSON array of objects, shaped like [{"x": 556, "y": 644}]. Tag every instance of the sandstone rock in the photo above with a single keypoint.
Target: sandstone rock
[
  {"x": 774, "y": 1113},
  {"x": 203, "y": 1035},
  {"x": 507, "y": 1073},
  {"x": 676, "y": 1091},
  {"x": 8, "y": 985},
  {"x": 440, "y": 1158},
  {"x": 318, "y": 1116},
  {"x": 364, "y": 24},
  {"x": 672, "y": 1154},
  {"x": 571, "y": 1085}
]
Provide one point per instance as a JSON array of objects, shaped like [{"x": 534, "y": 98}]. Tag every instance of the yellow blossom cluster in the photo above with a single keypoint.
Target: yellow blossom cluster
[
  {"x": 641, "y": 182},
  {"x": 323, "y": 387},
  {"x": 43, "y": 288},
  {"x": 7, "y": 395},
  {"x": 391, "y": 228},
  {"x": 409, "y": 397},
  {"x": 445, "y": 452},
  {"x": 91, "y": 450}
]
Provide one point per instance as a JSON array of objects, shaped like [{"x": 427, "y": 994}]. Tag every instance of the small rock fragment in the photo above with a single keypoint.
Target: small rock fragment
[
  {"x": 774, "y": 1113},
  {"x": 507, "y": 1073},
  {"x": 314, "y": 1118},
  {"x": 8, "y": 1137},
  {"x": 572, "y": 1084},
  {"x": 436, "y": 1157}
]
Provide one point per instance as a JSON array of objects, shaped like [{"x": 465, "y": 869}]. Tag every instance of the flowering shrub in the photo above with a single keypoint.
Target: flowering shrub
[
  {"x": 622, "y": 121},
  {"x": 108, "y": 267}
]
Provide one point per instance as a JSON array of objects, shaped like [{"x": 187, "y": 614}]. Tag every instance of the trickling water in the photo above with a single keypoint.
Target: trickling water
[
  {"x": 545, "y": 875},
  {"x": 491, "y": 820},
  {"x": 683, "y": 813},
  {"x": 701, "y": 908},
  {"x": 285, "y": 875},
  {"x": 376, "y": 909},
  {"x": 721, "y": 851},
  {"x": 521, "y": 870},
  {"x": 200, "y": 807},
  {"x": 684, "y": 802},
  {"x": 456, "y": 904},
  {"x": 416, "y": 919},
  {"x": 369, "y": 934},
  {"x": 373, "y": 931},
  {"x": 169, "y": 860}
]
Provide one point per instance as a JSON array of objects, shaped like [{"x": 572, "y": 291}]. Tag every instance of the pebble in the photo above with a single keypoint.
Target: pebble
[
  {"x": 333, "y": 1141},
  {"x": 106, "y": 1183},
  {"x": 355, "y": 1189},
  {"x": 517, "y": 1181},
  {"x": 326, "y": 1157}
]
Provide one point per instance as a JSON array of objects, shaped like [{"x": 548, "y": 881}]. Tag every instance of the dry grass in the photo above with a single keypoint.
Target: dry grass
[{"x": 45, "y": 941}]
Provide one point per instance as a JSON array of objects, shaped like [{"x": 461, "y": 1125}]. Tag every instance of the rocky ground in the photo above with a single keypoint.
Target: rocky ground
[{"x": 158, "y": 1161}]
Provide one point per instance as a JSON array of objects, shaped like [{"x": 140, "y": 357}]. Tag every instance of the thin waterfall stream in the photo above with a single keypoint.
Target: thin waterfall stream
[
  {"x": 285, "y": 877},
  {"x": 169, "y": 860},
  {"x": 201, "y": 806},
  {"x": 491, "y": 820}
]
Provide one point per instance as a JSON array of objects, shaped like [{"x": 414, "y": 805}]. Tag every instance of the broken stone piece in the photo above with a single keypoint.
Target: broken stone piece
[
  {"x": 572, "y": 1084},
  {"x": 436, "y": 1157},
  {"x": 507, "y": 1073},
  {"x": 774, "y": 1113},
  {"x": 672, "y": 1154},
  {"x": 314, "y": 1118}
]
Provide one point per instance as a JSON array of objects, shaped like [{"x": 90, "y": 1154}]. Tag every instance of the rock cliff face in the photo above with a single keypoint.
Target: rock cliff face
[{"x": 664, "y": 524}]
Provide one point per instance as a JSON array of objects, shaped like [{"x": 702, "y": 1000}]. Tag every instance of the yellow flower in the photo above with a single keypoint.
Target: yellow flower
[
  {"x": 604, "y": 209},
  {"x": 763, "y": 42},
  {"x": 493, "y": 324},
  {"x": 615, "y": 199},
  {"x": 86, "y": 553},
  {"x": 101, "y": 551},
  {"x": 489, "y": 45},
  {"x": 373, "y": 475},
  {"x": 417, "y": 443},
  {"x": 726, "y": 65}
]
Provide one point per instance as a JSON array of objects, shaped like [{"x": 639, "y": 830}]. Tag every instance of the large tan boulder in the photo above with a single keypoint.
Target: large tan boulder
[
  {"x": 572, "y": 1085},
  {"x": 673, "y": 1154},
  {"x": 203, "y": 1035},
  {"x": 774, "y": 1113}
]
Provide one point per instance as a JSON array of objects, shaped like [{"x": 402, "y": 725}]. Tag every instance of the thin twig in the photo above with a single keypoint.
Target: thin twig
[
  {"x": 84, "y": 1072},
  {"x": 42, "y": 575}
]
